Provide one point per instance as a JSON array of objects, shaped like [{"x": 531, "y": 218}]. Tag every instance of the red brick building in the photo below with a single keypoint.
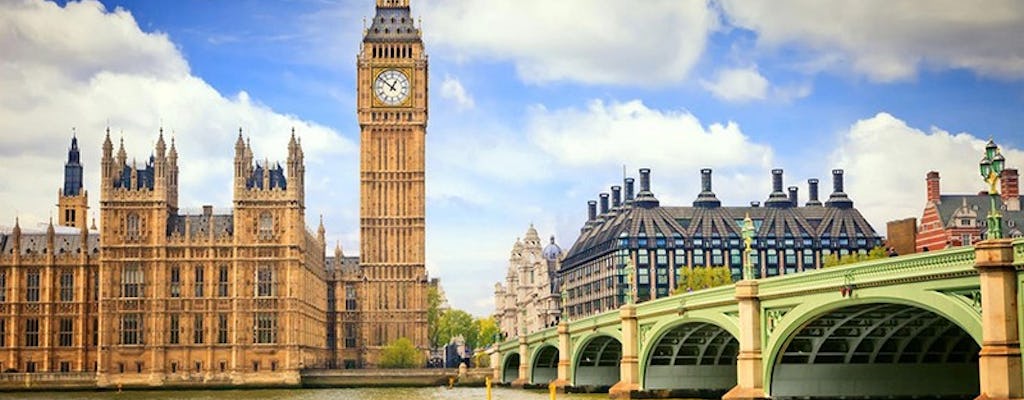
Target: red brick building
[{"x": 960, "y": 219}]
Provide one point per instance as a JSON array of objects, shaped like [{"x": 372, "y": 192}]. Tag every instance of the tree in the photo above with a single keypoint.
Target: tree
[
  {"x": 697, "y": 278},
  {"x": 401, "y": 354},
  {"x": 433, "y": 315},
  {"x": 453, "y": 323},
  {"x": 833, "y": 260},
  {"x": 486, "y": 329}
]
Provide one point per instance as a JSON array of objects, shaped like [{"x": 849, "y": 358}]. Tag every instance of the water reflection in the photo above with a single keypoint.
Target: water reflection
[{"x": 309, "y": 394}]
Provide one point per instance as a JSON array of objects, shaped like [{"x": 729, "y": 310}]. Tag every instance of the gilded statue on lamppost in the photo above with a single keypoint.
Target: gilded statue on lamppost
[
  {"x": 991, "y": 166},
  {"x": 748, "y": 238}
]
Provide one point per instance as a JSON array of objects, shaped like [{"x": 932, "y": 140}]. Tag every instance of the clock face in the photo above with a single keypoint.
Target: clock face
[{"x": 391, "y": 87}]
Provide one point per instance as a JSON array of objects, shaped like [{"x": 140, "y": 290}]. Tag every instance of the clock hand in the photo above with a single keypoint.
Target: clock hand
[{"x": 392, "y": 85}]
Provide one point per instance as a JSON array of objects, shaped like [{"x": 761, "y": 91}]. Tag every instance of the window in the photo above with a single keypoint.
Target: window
[
  {"x": 642, "y": 257},
  {"x": 66, "y": 333},
  {"x": 95, "y": 332},
  {"x": 698, "y": 257},
  {"x": 772, "y": 258},
  {"x": 3, "y": 286},
  {"x": 808, "y": 259},
  {"x": 131, "y": 281},
  {"x": 716, "y": 258},
  {"x": 131, "y": 226},
  {"x": 3, "y": 332},
  {"x": 965, "y": 240},
  {"x": 735, "y": 258},
  {"x": 198, "y": 282},
  {"x": 266, "y": 226},
  {"x": 680, "y": 256},
  {"x": 197, "y": 329},
  {"x": 222, "y": 328},
  {"x": 661, "y": 257},
  {"x": 67, "y": 286},
  {"x": 222, "y": 281},
  {"x": 265, "y": 325},
  {"x": 32, "y": 285},
  {"x": 131, "y": 329},
  {"x": 264, "y": 281},
  {"x": 350, "y": 335},
  {"x": 790, "y": 258},
  {"x": 643, "y": 276},
  {"x": 175, "y": 329},
  {"x": 350, "y": 296},
  {"x": 175, "y": 281}
]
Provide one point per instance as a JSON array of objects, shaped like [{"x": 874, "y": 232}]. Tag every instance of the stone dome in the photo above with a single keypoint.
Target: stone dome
[{"x": 552, "y": 252}]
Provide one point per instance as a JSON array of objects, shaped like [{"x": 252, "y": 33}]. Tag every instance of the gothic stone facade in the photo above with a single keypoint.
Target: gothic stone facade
[
  {"x": 159, "y": 297},
  {"x": 530, "y": 297}
]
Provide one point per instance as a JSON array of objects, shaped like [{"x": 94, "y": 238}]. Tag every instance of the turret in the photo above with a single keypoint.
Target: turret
[
  {"x": 707, "y": 197},
  {"x": 778, "y": 198},
  {"x": 72, "y": 199},
  {"x": 645, "y": 198},
  {"x": 321, "y": 233},
  {"x": 838, "y": 198}
]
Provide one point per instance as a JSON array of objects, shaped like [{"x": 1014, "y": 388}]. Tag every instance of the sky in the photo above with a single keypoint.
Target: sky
[{"x": 536, "y": 106}]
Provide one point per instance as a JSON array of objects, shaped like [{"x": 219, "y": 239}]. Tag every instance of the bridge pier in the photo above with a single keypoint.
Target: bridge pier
[
  {"x": 999, "y": 363},
  {"x": 524, "y": 364},
  {"x": 562, "y": 381},
  {"x": 749, "y": 366},
  {"x": 496, "y": 365},
  {"x": 629, "y": 366}
]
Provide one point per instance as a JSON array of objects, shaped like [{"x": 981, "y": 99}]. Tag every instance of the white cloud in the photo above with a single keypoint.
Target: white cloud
[
  {"x": 620, "y": 132},
  {"x": 886, "y": 162},
  {"x": 890, "y": 40},
  {"x": 84, "y": 67},
  {"x": 587, "y": 41},
  {"x": 452, "y": 89},
  {"x": 738, "y": 85}
]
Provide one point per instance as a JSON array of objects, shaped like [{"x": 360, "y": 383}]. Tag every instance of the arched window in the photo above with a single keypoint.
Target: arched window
[
  {"x": 132, "y": 226},
  {"x": 266, "y": 226}
]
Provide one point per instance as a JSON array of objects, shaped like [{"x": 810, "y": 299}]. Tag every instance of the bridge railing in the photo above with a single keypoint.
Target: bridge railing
[{"x": 921, "y": 266}]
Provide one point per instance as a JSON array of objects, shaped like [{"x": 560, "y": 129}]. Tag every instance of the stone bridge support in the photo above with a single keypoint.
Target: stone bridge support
[
  {"x": 999, "y": 363},
  {"x": 629, "y": 366},
  {"x": 749, "y": 368},
  {"x": 524, "y": 363},
  {"x": 564, "y": 358}
]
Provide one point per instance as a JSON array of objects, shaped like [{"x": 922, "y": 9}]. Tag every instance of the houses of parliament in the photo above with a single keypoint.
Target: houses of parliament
[{"x": 154, "y": 296}]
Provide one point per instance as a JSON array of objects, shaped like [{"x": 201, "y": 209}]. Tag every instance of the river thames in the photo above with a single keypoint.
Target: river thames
[{"x": 438, "y": 393}]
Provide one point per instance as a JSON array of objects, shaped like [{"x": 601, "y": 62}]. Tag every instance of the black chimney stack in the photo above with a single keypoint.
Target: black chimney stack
[
  {"x": 629, "y": 190},
  {"x": 838, "y": 198},
  {"x": 591, "y": 210},
  {"x": 777, "y": 198},
  {"x": 792, "y": 196},
  {"x": 645, "y": 180},
  {"x": 604, "y": 203},
  {"x": 645, "y": 198},
  {"x": 616, "y": 196},
  {"x": 706, "y": 198},
  {"x": 812, "y": 187}
]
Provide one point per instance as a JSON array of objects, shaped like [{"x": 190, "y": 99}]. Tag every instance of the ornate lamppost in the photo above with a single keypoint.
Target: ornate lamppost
[
  {"x": 991, "y": 166},
  {"x": 628, "y": 285},
  {"x": 565, "y": 306},
  {"x": 748, "y": 237}
]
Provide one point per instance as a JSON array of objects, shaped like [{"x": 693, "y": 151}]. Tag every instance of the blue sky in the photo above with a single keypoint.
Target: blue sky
[{"x": 535, "y": 105}]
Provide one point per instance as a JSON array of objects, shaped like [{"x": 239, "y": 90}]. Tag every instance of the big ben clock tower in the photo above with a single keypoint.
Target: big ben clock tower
[{"x": 392, "y": 107}]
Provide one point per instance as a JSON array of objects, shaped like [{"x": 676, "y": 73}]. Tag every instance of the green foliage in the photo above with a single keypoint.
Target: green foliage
[
  {"x": 482, "y": 360},
  {"x": 702, "y": 278},
  {"x": 433, "y": 315},
  {"x": 401, "y": 354},
  {"x": 487, "y": 329},
  {"x": 833, "y": 260},
  {"x": 453, "y": 323}
]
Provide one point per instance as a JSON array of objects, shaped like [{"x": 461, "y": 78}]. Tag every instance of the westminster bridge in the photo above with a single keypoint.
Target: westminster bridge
[{"x": 935, "y": 324}]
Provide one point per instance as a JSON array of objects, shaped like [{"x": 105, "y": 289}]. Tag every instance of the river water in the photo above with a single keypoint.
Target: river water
[{"x": 439, "y": 393}]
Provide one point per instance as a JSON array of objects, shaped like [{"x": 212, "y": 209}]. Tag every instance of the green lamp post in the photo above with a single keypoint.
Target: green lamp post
[
  {"x": 565, "y": 305},
  {"x": 990, "y": 167},
  {"x": 748, "y": 237},
  {"x": 628, "y": 285}
]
